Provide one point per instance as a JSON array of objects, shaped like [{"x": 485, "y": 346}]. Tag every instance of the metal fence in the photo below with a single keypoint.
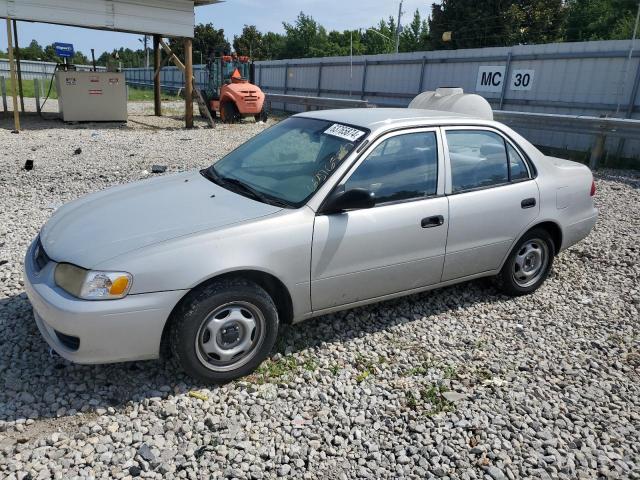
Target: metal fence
[
  {"x": 35, "y": 69},
  {"x": 171, "y": 78},
  {"x": 599, "y": 79},
  {"x": 587, "y": 78}
]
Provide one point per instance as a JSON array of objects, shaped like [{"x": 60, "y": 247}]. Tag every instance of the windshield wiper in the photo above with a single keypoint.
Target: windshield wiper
[
  {"x": 238, "y": 184},
  {"x": 235, "y": 184},
  {"x": 211, "y": 174}
]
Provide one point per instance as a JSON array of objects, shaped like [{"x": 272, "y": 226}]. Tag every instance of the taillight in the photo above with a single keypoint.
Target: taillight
[{"x": 593, "y": 188}]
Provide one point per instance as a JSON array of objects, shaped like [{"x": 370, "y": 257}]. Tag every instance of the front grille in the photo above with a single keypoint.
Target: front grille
[
  {"x": 40, "y": 257},
  {"x": 249, "y": 96},
  {"x": 72, "y": 343}
]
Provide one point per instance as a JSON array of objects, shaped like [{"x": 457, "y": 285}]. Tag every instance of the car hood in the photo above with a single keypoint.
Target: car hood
[{"x": 109, "y": 223}]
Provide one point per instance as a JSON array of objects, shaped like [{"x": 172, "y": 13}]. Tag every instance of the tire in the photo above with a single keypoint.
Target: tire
[
  {"x": 262, "y": 116},
  {"x": 230, "y": 318},
  {"x": 228, "y": 112},
  {"x": 528, "y": 264}
]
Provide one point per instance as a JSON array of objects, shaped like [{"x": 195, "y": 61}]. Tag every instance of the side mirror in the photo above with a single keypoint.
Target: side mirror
[{"x": 353, "y": 199}]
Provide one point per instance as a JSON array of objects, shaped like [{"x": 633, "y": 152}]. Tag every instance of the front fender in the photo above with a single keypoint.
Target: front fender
[{"x": 279, "y": 245}]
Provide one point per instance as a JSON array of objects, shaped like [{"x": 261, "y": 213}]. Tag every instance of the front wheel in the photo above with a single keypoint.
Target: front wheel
[
  {"x": 229, "y": 112},
  {"x": 224, "y": 330},
  {"x": 528, "y": 265},
  {"x": 262, "y": 116}
]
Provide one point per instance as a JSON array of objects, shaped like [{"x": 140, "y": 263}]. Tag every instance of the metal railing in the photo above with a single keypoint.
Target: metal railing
[
  {"x": 623, "y": 129},
  {"x": 600, "y": 128},
  {"x": 319, "y": 102}
]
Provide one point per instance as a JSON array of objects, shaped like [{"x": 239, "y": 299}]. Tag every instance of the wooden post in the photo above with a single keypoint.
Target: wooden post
[
  {"x": 36, "y": 93},
  {"x": 597, "y": 151},
  {"x": 188, "y": 82},
  {"x": 3, "y": 87},
  {"x": 157, "y": 91},
  {"x": 18, "y": 55},
  {"x": 14, "y": 81},
  {"x": 182, "y": 68}
]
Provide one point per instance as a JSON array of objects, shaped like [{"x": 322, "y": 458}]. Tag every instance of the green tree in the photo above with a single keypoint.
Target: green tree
[
  {"x": 80, "y": 58},
  {"x": 535, "y": 21},
  {"x": 339, "y": 43},
  {"x": 600, "y": 19},
  {"x": 249, "y": 43},
  {"x": 496, "y": 22},
  {"x": 273, "y": 46},
  {"x": 33, "y": 52},
  {"x": 380, "y": 38},
  {"x": 415, "y": 36},
  {"x": 305, "y": 38},
  {"x": 207, "y": 39},
  {"x": 128, "y": 58}
]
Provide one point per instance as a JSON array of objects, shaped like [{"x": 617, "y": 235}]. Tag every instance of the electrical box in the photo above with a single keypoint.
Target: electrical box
[{"x": 91, "y": 96}]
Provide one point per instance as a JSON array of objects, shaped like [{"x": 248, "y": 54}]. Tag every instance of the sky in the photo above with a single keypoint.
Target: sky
[{"x": 232, "y": 15}]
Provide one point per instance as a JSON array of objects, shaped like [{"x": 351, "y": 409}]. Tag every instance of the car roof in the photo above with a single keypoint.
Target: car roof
[{"x": 385, "y": 118}]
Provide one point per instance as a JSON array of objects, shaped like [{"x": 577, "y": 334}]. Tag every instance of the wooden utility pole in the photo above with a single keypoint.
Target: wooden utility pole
[
  {"x": 14, "y": 80},
  {"x": 199, "y": 98},
  {"x": 157, "y": 91},
  {"x": 188, "y": 82},
  {"x": 18, "y": 56}
]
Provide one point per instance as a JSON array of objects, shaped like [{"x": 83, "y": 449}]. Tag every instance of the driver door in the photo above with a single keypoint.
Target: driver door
[{"x": 399, "y": 244}]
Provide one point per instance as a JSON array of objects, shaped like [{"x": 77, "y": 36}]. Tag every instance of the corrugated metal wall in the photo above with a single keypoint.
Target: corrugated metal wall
[
  {"x": 586, "y": 78},
  {"x": 171, "y": 78},
  {"x": 164, "y": 17}
]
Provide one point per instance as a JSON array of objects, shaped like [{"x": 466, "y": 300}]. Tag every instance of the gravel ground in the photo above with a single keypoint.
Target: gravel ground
[{"x": 459, "y": 383}]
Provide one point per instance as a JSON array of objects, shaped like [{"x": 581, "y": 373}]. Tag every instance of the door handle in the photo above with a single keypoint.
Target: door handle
[
  {"x": 434, "y": 221},
  {"x": 528, "y": 203}
]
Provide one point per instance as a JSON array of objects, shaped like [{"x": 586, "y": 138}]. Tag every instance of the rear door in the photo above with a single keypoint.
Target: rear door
[
  {"x": 492, "y": 199},
  {"x": 397, "y": 245}
]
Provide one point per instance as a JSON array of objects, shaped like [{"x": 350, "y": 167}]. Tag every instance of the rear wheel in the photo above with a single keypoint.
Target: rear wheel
[
  {"x": 223, "y": 331},
  {"x": 229, "y": 112},
  {"x": 528, "y": 264}
]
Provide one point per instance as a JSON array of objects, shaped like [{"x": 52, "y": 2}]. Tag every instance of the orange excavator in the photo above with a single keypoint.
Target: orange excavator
[{"x": 229, "y": 92}]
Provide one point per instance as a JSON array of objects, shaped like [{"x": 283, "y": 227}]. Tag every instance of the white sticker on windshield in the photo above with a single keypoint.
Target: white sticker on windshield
[{"x": 342, "y": 131}]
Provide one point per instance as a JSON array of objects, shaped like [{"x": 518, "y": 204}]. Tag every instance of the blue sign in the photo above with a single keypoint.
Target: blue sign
[{"x": 64, "y": 50}]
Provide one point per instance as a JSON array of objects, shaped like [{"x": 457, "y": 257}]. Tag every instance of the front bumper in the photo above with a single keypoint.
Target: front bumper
[{"x": 108, "y": 330}]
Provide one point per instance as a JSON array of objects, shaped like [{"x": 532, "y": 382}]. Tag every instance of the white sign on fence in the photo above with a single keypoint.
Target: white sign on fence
[
  {"x": 490, "y": 78},
  {"x": 522, "y": 79}
]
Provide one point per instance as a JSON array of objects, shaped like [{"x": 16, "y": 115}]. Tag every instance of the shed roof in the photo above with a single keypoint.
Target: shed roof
[{"x": 171, "y": 18}]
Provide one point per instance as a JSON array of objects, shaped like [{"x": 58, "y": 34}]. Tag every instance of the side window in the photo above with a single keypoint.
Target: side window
[
  {"x": 517, "y": 167},
  {"x": 400, "y": 168},
  {"x": 478, "y": 159}
]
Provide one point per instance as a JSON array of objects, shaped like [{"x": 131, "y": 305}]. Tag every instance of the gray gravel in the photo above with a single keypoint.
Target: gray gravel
[{"x": 457, "y": 383}]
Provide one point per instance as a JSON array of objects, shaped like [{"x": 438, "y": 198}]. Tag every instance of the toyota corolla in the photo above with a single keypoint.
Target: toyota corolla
[{"x": 322, "y": 212}]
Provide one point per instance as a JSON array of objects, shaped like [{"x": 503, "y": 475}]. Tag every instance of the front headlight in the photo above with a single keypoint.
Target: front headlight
[{"x": 90, "y": 284}]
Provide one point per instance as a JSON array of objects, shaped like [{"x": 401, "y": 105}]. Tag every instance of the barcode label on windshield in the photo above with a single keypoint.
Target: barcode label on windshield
[{"x": 342, "y": 131}]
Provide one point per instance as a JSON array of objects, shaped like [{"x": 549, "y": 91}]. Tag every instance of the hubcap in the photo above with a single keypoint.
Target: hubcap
[
  {"x": 230, "y": 336},
  {"x": 530, "y": 262}
]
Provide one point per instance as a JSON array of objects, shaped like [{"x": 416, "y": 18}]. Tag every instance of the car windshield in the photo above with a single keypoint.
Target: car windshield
[{"x": 287, "y": 163}]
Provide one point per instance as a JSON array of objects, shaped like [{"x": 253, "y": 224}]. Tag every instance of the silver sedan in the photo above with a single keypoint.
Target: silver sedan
[{"x": 322, "y": 212}]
